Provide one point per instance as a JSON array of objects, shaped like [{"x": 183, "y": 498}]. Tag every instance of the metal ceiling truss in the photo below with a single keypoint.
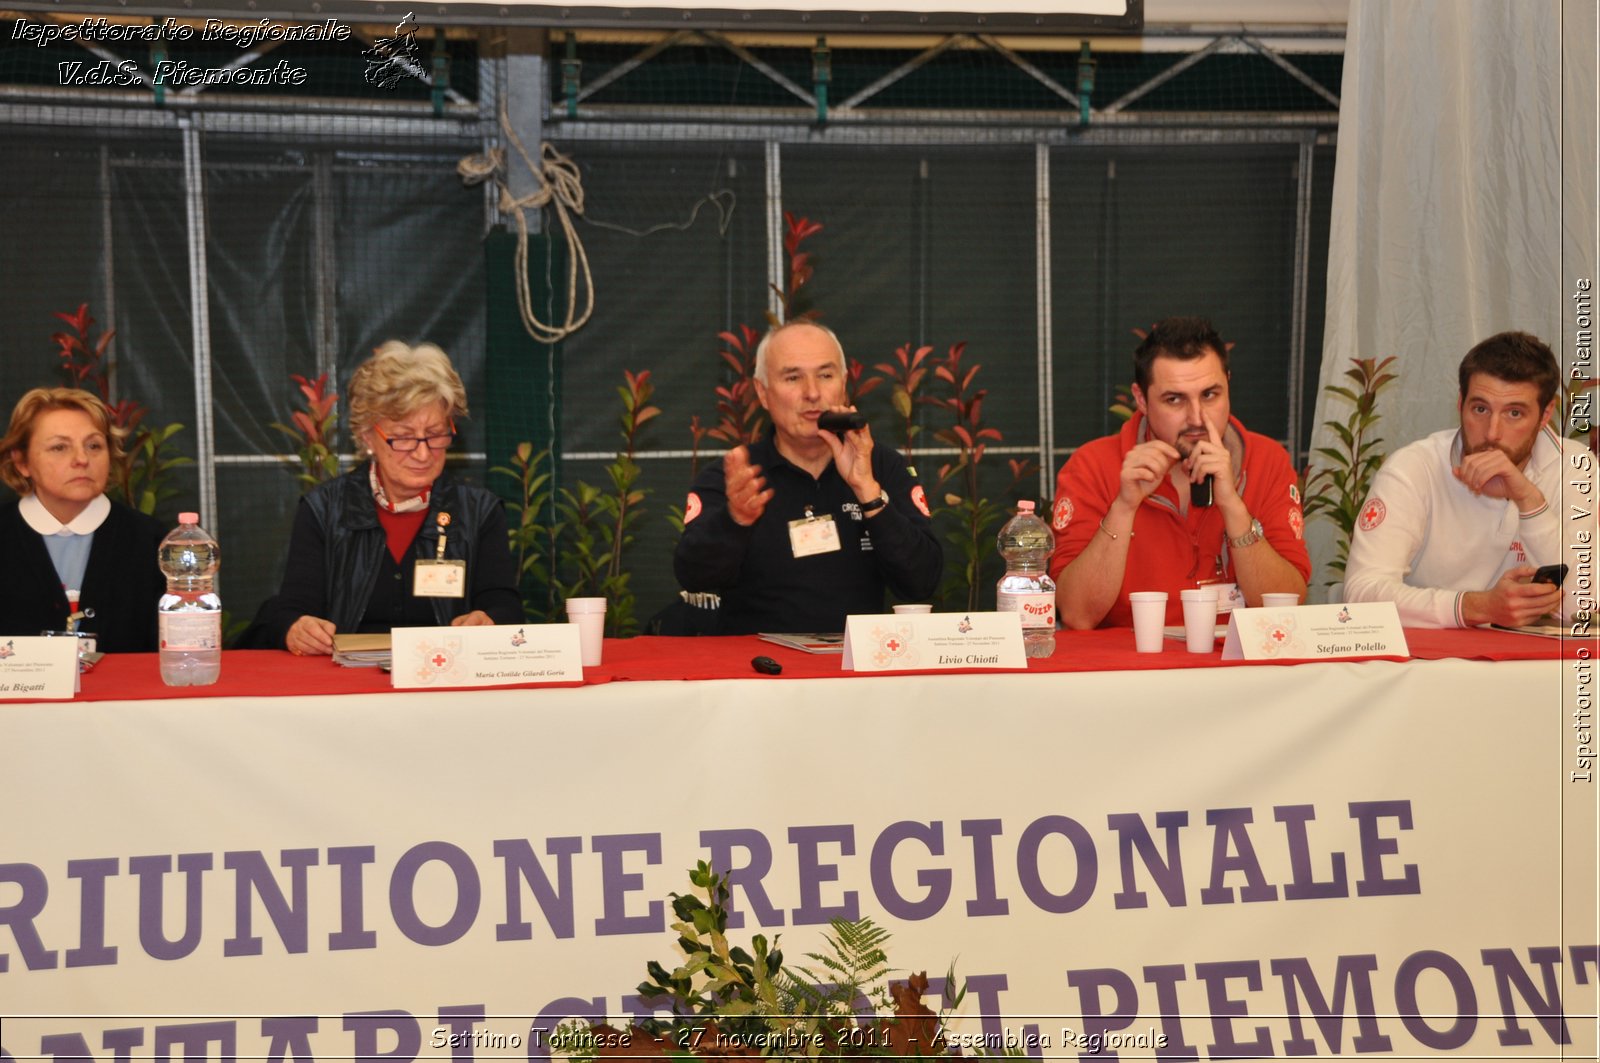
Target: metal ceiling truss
[{"x": 851, "y": 109}]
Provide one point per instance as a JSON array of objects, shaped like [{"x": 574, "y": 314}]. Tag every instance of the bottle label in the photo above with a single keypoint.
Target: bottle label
[
  {"x": 1038, "y": 609},
  {"x": 191, "y": 631}
]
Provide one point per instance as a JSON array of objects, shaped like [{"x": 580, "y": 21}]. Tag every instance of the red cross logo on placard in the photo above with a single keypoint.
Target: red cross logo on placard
[
  {"x": 1372, "y": 514},
  {"x": 893, "y": 645},
  {"x": 440, "y": 660},
  {"x": 1278, "y": 635}
]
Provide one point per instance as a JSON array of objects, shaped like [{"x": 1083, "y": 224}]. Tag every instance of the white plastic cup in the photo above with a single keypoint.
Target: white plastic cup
[
  {"x": 913, "y": 608},
  {"x": 1200, "y": 618},
  {"x": 1149, "y": 617},
  {"x": 590, "y": 616},
  {"x": 1280, "y": 600}
]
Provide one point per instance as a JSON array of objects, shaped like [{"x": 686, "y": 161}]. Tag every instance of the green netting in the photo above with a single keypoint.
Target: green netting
[{"x": 333, "y": 225}]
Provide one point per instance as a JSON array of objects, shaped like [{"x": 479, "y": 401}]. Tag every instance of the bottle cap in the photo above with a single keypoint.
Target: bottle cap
[
  {"x": 1025, "y": 505},
  {"x": 188, "y": 518}
]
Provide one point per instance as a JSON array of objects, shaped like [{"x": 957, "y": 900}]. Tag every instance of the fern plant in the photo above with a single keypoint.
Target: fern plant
[{"x": 1338, "y": 488}]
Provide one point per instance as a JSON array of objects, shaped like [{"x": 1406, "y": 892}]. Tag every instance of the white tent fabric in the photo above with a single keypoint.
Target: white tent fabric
[{"x": 1450, "y": 214}]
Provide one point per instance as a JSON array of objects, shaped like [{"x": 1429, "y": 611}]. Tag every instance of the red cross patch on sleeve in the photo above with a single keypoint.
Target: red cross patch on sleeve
[
  {"x": 920, "y": 499},
  {"x": 1372, "y": 514},
  {"x": 1061, "y": 514},
  {"x": 691, "y": 507}
]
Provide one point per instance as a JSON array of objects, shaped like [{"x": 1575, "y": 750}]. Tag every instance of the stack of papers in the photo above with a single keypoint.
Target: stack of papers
[
  {"x": 808, "y": 642},
  {"x": 361, "y": 651}
]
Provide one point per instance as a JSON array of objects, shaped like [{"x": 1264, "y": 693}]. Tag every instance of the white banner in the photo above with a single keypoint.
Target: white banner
[{"x": 1330, "y": 859}]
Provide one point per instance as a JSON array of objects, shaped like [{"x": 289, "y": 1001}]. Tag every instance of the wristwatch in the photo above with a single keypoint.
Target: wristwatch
[
  {"x": 875, "y": 504},
  {"x": 1249, "y": 538}
]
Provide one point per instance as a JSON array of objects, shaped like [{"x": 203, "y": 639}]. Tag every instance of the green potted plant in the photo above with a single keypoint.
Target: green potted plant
[
  {"x": 1337, "y": 488},
  {"x": 725, "y": 1000}
]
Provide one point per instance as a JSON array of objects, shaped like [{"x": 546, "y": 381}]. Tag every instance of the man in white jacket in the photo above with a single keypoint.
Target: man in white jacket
[{"x": 1457, "y": 523}]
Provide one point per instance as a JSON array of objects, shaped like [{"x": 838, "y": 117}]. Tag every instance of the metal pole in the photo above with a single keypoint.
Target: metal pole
[
  {"x": 108, "y": 262},
  {"x": 775, "y": 261},
  {"x": 326, "y": 297},
  {"x": 200, "y": 322},
  {"x": 1044, "y": 321},
  {"x": 1297, "y": 313}
]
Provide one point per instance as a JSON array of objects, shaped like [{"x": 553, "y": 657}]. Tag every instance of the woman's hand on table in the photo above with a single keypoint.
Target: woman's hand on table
[
  {"x": 476, "y": 618},
  {"x": 310, "y": 636}
]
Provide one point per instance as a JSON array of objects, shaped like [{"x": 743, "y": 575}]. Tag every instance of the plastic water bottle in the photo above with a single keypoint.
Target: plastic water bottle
[
  {"x": 1026, "y": 543},
  {"x": 190, "y": 612}
]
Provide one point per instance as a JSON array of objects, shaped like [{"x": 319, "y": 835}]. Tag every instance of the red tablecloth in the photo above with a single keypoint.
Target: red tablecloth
[{"x": 272, "y": 673}]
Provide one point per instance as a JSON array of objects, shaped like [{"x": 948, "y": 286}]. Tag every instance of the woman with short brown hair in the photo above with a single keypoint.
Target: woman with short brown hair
[{"x": 64, "y": 539}]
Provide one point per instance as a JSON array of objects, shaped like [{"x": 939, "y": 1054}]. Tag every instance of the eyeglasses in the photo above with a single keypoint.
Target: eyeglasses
[{"x": 406, "y": 444}]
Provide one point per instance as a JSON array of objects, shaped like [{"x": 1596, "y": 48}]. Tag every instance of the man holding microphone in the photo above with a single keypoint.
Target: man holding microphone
[
  {"x": 807, "y": 525},
  {"x": 1182, "y": 496}
]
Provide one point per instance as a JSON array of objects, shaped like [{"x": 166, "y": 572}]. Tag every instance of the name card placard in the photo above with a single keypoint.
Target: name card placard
[
  {"x": 489, "y": 656},
  {"x": 38, "y": 668},
  {"x": 927, "y": 642},
  {"x": 1315, "y": 633}
]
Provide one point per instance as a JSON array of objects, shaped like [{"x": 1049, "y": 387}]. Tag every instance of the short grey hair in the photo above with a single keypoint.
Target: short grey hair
[
  {"x": 760, "y": 371},
  {"x": 397, "y": 381}
]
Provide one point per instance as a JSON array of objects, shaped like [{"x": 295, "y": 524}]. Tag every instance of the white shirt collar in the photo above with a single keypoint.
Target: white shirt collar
[{"x": 39, "y": 519}]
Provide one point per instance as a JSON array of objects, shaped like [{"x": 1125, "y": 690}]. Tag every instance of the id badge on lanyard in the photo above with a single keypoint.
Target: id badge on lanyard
[
  {"x": 812, "y": 534},
  {"x": 439, "y": 578}
]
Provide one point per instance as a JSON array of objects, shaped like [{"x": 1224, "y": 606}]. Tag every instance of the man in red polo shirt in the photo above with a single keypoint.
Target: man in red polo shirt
[{"x": 1126, "y": 514}]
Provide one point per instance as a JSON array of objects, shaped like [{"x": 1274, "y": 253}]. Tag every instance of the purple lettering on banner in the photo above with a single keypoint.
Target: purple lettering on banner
[
  {"x": 986, "y": 990},
  {"x": 20, "y": 916},
  {"x": 1546, "y": 1009},
  {"x": 66, "y": 1047},
  {"x": 1231, "y": 826},
  {"x": 1133, "y": 835},
  {"x": 403, "y": 884},
  {"x": 121, "y": 1042},
  {"x": 1583, "y": 958},
  {"x": 152, "y": 872},
  {"x": 1374, "y": 848},
  {"x": 368, "y": 1025},
  {"x": 251, "y": 875},
  {"x": 1028, "y": 864},
  {"x": 813, "y": 873},
  {"x": 1165, "y": 977},
  {"x": 986, "y": 902},
  {"x": 935, "y": 880},
  {"x": 289, "y": 1035},
  {"x": 92, "y": 950},
  {"x": 551, "y": 1016},
  {"x": 636, "y": 1006},
  {"x": 1305, "y": 885},
  {"x": 1351, "y": 979},
  {"x": 1224, "y": 1009},
  {"x": 1405, "y": 999},
  {"x": 615, "y": 885},
  {"x": 193, "y": 1037},
  {"x": 719, "y": 846},
  {"x": 352, "y": 934},
  {"x": 459, "y": 1020},
  {"x": 1097, "y": 1021},
  {"x": 555, "y": 902}
]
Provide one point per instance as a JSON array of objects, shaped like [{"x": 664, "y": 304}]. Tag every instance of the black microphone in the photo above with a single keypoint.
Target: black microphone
[
  {"x": 1200, "y": 493},
  {"x": 840, "y": 423}
]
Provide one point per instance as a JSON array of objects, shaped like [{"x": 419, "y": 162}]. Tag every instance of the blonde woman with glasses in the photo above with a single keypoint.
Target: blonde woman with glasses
[{"x": 397, "y": 542}]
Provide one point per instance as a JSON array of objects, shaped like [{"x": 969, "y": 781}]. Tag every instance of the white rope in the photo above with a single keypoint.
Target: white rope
[{"x": 560, "y": 185}]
